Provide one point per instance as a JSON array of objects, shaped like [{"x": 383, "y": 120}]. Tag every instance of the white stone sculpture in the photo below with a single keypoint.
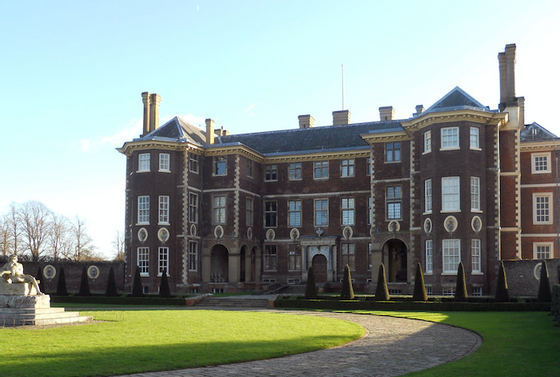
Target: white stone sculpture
[{"x": 14, "y": 282}]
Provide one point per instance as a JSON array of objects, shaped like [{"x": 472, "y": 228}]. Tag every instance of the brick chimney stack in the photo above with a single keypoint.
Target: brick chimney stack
[
  {"x": 210, "y": 131},
  {"x": 386, "y": 113},
  {"x": 306, "y": 121},
  {"x": 146, "y": 117},
  {"x": 155, "y": 100},
  {"x": 507, "y": 77},
  {"x": 341, "y": 117},
  {"x": 419, "y": 110}
]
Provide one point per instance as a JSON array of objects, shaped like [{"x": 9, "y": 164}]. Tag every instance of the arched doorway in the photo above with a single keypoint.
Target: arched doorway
[
  {"x": 253, "y": 265},
  {"x": 319, "y": 264},
  {"x": 219, "y": 264},
  {"x": 397, "y": 269}
]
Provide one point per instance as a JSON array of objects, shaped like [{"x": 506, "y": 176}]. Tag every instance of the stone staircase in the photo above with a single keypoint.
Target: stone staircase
[
  {"x": 10, "y": 317},
  {"x": 233, "y": 302}
]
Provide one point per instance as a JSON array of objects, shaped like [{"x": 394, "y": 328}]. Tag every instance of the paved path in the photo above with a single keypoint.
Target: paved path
[{"x": 391, "y": 347}]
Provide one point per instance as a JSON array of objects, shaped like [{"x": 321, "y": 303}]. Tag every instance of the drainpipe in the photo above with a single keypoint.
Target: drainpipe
[{"x": 556, "y": 216}]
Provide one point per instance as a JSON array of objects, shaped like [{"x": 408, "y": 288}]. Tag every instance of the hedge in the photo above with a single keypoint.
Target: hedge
[
  {"x": 555, "y": 310},
  {"x": 121, "y": 300},
  {"x": 294, "y": 302}
]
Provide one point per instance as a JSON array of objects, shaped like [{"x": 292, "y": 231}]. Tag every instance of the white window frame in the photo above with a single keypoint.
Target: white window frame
[
  {"x": 321, "y": 170},
  {"x": 394, "y": 202},
  {"x": 143, "y": 209},
  {"x": 163, "y": 209},
  {"x": 537, "y": 165},
  {"x": 193, "y": 163},
  {"x": 193, "y": 208},
  {"x": 270, "y": 257},
  {"x": 427, "y": 141},
  {"x": 294, "y": 213},
  {"x": 348, "y": 253},
  {"x": 163, "y": 260},
  {"x": 193, "y": 255},
  {"x": 475, "y": 194},
  {"x": 164, "y": 162},
  {"x": 476, "y": 255},
  {"x": 220, "y": 166},
  {"x": 271, "y": 173},
  {"x": 219, "y": 209},
  {"x": 270, "y": 214},
  {"x": 368, "y": 166},
  {"x": 474, "y": 138},
  {"x": 249, "y": 167},
  {"x": 537, "y": 252},
  {"x": 294, "y": 171},
  {"x": 393, "y": 152},
  {"x": 321, "y": 212},
  {"x": 449, "y": 138},
  {"x": 347, "y": 206},
  {"x": 143, "y": 162},
  {"x": 370, "y": 210},
  {"x": 428, "y": 197},
  {"x": 347, "y": 168},
  {"x": 249, "y": 211},
  {"x": 294, "y": 258},
  {"x": 450, "y": 194},
  {"x": 143, "y": 260},
  {"x": 451, "y": 255},
  {"x": 539, "y": 217},
  {"x": 429, "y": 256}
]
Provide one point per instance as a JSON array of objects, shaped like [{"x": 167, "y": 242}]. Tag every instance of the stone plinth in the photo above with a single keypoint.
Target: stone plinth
[
  {"x": 19, "y": 289},
  {"x": 20, "y": 301},
  {"x": 19, "y": 310}
]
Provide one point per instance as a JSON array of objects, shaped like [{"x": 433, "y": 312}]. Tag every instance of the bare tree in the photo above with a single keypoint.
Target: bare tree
[
  {"x": 59, "y": 241},
  {"x": 13, "y": 224},
  {"x": 118, "y": 246},
  {"x": 36, "y": 226},
  {"x": 5, "y": 242},
  {"x": 82, "y": 248}
]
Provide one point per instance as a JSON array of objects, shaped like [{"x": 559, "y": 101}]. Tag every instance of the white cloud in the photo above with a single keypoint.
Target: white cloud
[
  {"x": 192, "y": 119},
  {"x": 123, "y": 134}
]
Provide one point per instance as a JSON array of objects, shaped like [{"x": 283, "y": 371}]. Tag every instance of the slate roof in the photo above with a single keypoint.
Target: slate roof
[
  {"x": 310, "y": 140},
  {"x": 457, "y": 99},
  {"x": 535, "y": 132},
  {"x": 176, "y": 130}
]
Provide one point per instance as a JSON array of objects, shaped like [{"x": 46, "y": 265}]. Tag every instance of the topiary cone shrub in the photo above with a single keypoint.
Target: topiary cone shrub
[
  {"x": 545, "y": 294},
  {"x": 137, "y": 290},
  {"x": 382, "y": 291},
  {"x": 40, "y": 279},
  {"x": 419, "y": 287},
  {"x": 84, "y": 284},
  {"x": 461, "y": 288},
  {"x": 310, "y": 287},
  {"x": 502, "y": 294},
  {"x": 111, "y": 285},
  {"x": 164, "y": 286},
  {"x": 61, "y": 286},
  {"x": 347, "y": 289}
]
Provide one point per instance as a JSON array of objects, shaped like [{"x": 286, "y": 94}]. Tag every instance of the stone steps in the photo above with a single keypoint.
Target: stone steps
[
  {"x": 10, "y": 317},
  {"x": 231, "y": 302}
]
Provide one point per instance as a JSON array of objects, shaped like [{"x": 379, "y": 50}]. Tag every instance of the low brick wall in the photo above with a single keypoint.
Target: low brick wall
[{"x": 523, "y": 276}]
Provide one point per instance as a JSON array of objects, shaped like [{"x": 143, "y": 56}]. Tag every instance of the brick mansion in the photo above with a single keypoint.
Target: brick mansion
[{"x": 221, "y": 212}]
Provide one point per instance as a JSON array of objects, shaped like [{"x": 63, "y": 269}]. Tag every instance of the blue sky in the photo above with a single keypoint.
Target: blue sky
[{"x": 73, "y": 72}]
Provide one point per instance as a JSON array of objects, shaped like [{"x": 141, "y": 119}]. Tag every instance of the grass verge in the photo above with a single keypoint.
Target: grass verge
[
  {"x": 142, "y": 341},
  {"x": 515, "y": 343}
]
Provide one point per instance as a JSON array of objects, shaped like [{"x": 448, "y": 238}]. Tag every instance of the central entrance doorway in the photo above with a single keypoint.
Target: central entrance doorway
[{"x": 319, "y": 264}]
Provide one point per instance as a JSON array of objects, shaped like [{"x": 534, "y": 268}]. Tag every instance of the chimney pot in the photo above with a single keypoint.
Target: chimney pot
[
  {"x": 155, "y": 100},
  {"x": 210, "y": 131},
  {"x": 341, "y": 117},
  {"x": 146, "y": 116},
  {"x": 386, "y": 113},
  {"x": 306, "y": 121}
]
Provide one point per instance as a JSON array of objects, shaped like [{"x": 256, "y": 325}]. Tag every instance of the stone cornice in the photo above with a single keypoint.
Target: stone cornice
[
  {"x": 540, "y": 145},
  {"x": 467, "y": 115},
  {"x": 386, "y": 137},
  {"x": 129, "y": 147}
]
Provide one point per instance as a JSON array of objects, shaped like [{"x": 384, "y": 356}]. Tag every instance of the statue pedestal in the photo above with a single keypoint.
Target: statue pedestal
[{"x": 20, "y": 310}]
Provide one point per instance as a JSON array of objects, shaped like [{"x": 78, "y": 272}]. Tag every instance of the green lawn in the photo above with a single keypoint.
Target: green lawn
[
  {"x": 515, "y": 344},
  {"x": 148, "y": 340}
]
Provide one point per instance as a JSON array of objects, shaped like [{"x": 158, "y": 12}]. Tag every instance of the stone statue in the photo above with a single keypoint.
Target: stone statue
[{"x": 12, "y": 272}]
